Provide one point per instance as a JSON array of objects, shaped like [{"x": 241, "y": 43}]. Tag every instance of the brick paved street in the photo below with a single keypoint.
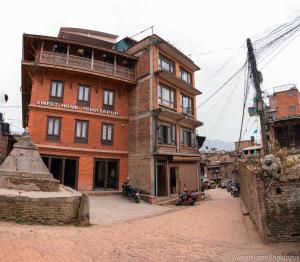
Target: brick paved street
[{"x": 214, "y": 230}]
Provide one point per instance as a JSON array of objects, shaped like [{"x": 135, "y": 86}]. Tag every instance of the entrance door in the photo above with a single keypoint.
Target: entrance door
[
  {"x": 161, "y": 178},
  {"x": 63, "y": 169},
  {"x": 106, "y": 174},
  {"x": 174, "y": 180}
]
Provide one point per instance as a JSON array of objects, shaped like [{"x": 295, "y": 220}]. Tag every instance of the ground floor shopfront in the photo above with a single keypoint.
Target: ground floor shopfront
[
  {"x": 172, "y": 175},
  {"x": 86, "y": 171},
  {"x": 164, "y": 175}
]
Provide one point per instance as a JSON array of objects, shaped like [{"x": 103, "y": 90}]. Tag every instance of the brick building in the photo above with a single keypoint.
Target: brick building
[
  {"x": 100, "y": 110},
  {"x": 284, "y": 117}
]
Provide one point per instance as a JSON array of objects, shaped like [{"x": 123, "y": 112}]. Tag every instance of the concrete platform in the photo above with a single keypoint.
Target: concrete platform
[{"x": 105, "y": 210}]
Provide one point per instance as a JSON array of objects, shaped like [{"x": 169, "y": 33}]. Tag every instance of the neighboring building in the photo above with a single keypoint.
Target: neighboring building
[
  {"x": 100, "y": 110},
  {"x": 284, "y": 117},
  {"x": 219, "y": 165},
  {"x": 251, "y": 151},
  {"x": 163, "y": 151},
  {"x": 7, "y": 140},
  {"x": 240, "y": 145}
]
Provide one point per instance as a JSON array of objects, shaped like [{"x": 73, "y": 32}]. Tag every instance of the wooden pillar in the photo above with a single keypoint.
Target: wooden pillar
[
  {"x": 115, "y": 64},
  {"x": 68, "y": 54},
  {"x": 41, "y": 52},
  {"x": 92, "y": 64}
]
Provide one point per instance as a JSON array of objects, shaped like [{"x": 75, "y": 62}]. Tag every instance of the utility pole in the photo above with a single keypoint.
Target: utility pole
[{"x": 257, "y": 78}]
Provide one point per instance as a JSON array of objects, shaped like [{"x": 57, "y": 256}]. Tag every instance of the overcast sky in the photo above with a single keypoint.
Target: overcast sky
[{"x": 195, "y": 27}]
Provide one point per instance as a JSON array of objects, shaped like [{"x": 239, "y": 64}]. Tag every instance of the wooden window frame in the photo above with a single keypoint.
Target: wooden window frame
[
  {"x": 173, "y": 133},
  {"x": 192, "y": 135},
  {"x": 81, "y": 140},
  {"x": 107, "y": 106},
  {"x": 105, "y": 141},
  {"x": 56, "y": 98},
  {"x": 83, "y": 102},
  {"x": 191, "y": 112},
  {"x": 160, "y": 99},
  {"x": 169, "y": 61},
  {"x": 189, "y": 81},
  {"x": 52, "y": 137}
]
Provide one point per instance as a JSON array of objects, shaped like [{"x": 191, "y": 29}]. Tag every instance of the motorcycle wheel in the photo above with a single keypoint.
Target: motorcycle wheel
[{"x": 179, "y": 202}]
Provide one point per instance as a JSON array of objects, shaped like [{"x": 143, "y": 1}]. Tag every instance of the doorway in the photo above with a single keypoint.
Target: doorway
[
  {"x": 161, "y": 178},
  {"x": 174, "y": 180},
  {"x": 63, "y": 169},
  {"x": 106, "y": 174}
]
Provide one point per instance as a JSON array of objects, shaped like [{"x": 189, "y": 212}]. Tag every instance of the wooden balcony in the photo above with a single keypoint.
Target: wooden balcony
[{"x": 89, "y": 64}]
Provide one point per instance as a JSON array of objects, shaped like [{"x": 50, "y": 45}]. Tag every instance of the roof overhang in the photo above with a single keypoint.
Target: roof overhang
[
  {"x": 287, "y": 118},
  {"x": 175, "y": 53},
  {"x": 178, "y": 117},
  {"x": 175, "y": 81}
]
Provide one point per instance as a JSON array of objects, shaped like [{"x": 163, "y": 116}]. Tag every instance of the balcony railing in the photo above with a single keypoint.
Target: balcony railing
[{"x": 96, "y": 66}]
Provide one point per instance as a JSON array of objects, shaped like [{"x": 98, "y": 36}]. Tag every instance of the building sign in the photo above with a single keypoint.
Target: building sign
[{"x": 76, "y": 107}]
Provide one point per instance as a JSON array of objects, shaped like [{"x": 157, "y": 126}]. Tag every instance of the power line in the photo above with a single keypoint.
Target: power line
[{"x": 223, "y": 85}]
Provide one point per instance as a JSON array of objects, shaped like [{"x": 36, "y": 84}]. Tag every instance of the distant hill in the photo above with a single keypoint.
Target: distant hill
[{"x": 218, "y": 144}]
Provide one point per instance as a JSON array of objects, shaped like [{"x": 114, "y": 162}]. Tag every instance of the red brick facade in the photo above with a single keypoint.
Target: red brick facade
[{"x": 134, "y": 77}]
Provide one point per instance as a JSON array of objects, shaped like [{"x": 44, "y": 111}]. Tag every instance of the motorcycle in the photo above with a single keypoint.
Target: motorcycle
[
  {"x": 130, "y": 192},
  {"x": 187, "y": 197}
]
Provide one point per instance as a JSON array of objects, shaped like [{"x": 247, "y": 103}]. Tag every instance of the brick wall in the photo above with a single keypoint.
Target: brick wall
[
  {"x": 139, "y": 170},
  {"x": 275, "y": 212},
  {"x": 50, "y": 210}
]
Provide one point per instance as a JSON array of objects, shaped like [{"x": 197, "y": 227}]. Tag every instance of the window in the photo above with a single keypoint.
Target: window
[
  {"x": 166, "y": 64},
  {"x": 187, "y": 104},
  {"x": 185, "y": 76},
  {"x": 166, "y": 133},
  {"x": 166, "y": 96},
  {"x": 107, "y": 134},
  {"x": 108, "y": 99},
  {"x": 81, "y": 131},
  {"x": 56, "y": 91},
  {"x": 53, "y": 128},
  {"x": 188, "y": 137},
  {"x": 290, "y": 93},
  {"x": 83, "y": 95}
]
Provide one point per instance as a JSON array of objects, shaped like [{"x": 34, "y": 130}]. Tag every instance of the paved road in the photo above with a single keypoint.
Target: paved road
[{"x": 215, "y": 230}]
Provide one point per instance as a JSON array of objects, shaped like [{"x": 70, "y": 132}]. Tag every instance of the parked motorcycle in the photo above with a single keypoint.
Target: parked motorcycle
[
  {"x": 187, "y": 197},
  {"x": 130, "y": 192}
]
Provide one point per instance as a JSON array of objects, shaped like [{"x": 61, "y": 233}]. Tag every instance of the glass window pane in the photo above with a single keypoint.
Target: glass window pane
[
  {"x": 84, "y": 129},
  {"x": 109, "y": 132},
  {"x": 78, "y": 129},
  {"x": 111, "y": 98},
  {"x": 56, "y": 127},
  {"x": 53, "y": 89},
  {"x": 50, "y": 126},
  {"x": 172, "y": 97},
  {"x": 105, "y": 97},
  {"x": 86, "y": 94},
  {"x": 165, "y": 94},
  {"x": 104, "y": 132},
  {"x": 59, "y": 89},
  {"x": 80, "y": 96}
]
